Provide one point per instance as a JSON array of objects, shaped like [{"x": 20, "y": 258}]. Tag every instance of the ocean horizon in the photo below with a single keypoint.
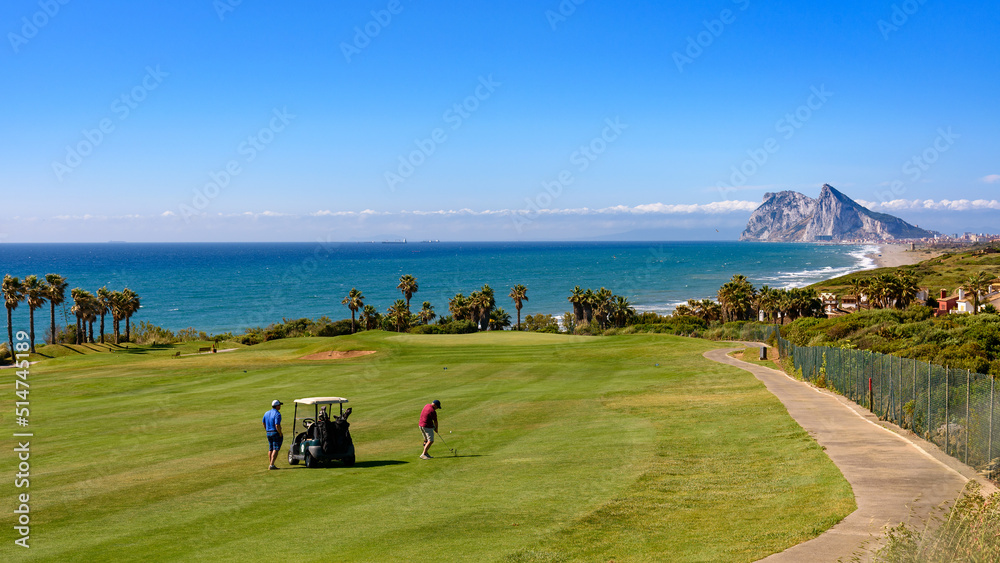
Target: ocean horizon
[{"x": 228, "y": 287}]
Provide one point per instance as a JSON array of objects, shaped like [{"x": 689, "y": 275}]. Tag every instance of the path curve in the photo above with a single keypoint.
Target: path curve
[{"x": 894, "y": 477}]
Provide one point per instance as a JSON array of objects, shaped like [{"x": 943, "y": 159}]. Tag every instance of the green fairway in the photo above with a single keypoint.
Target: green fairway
[{"x": 570, "y": 449}]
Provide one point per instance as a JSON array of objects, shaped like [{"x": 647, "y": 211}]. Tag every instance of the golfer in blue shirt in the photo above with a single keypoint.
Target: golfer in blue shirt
[{"x": 272, "y": 425}]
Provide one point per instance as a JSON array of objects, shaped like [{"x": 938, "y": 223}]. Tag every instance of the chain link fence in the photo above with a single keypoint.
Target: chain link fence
[{"x": 953, "y": 408}]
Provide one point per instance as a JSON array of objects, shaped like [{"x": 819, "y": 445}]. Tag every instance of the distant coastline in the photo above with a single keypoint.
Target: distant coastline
[{"x": 894, "y": 255}]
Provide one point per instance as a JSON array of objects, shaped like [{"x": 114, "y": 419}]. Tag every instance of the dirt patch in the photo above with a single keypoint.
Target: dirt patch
[{"x": 338, "y": 355}]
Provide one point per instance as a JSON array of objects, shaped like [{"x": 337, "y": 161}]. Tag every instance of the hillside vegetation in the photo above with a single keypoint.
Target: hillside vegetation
[
  {"x": 962, "y": 341},
  {"x": 948, "y": 271}
]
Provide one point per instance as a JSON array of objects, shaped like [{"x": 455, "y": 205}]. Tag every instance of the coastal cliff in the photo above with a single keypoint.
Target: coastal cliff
[{"x": 793, "y": 217}]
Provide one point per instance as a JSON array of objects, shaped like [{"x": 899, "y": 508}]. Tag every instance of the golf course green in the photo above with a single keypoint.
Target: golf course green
[{"x": 569, "y": 449}]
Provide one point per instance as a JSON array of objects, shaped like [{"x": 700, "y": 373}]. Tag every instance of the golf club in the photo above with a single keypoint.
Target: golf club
[{"x": 453, "y": 451}]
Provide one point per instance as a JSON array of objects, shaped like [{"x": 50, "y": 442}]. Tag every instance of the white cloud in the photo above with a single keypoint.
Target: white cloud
[
  {"x": 931, "y": 205},
  {"x": 714, "y": 208},
  {"x": 991, "y": 179}
]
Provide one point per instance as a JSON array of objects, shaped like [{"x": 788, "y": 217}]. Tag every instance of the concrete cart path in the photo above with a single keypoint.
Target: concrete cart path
[{"x": 894, "y": 477}]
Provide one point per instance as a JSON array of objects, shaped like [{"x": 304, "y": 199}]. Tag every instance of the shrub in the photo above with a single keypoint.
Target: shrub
[
  {"x": 338, "y": 328},
  {"x": 148, "y": 333},
  {"x": 189, "y": 334},
  {"x": 542, "y": 323},
  {"x": 454, "y": 327}
]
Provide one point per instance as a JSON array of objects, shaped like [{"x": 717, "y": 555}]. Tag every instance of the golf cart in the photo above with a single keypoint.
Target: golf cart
[{"x": 320, "y": 439}]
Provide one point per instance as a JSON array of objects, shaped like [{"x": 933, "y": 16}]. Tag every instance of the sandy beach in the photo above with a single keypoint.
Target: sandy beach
[{"x": 895, "y": 255}]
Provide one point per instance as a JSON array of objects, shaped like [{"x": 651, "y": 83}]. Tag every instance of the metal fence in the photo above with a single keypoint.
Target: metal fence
[{"x": 954, "y": 408}]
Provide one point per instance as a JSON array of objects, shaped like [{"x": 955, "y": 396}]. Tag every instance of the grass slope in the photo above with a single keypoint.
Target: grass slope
[
  {"x": 947, "y": 271},
  {"x": 571, "y": 449}
]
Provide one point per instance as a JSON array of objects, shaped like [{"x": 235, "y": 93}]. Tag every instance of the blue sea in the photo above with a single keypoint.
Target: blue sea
[{"x": 223, "y": 287}]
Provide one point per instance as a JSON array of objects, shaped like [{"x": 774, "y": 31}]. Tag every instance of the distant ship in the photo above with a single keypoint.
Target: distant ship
[{"x": 402, "y": 241}]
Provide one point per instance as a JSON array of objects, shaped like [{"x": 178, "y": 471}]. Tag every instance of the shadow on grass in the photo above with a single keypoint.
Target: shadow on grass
[
  {"x": 380, "y": 463},
  {"x": 362, "y": 464}
]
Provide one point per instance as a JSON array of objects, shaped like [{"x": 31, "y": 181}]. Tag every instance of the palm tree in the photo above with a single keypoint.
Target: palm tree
[
  {"x": 727, "y": 298},
  {"x": 576, "y": 297},
  {"x": 408, "y": 285},
  {"x": 34, "y": 294},
  {"x": 475, "y": 307},
  {"x": 588, "y": 301},
  {"x": 104, "y": 306},
  {"x": 705, "y": 309},
  {"x": 13, "y": 294},
  {"x": 354, "y": 301},
  {"x": 118, "y": 307},
  {"x": 91, "y": 311},
  {"x": 519, "y": 294},
  {"x": 605, "y": 306},
  {"x": 426, "y": 313},
  {"x": 56, "y": 294},
  {"x": 79, "y": 309},
  {"x": 737, "y": 297},
  {"x": 859, "y": 286},
  {"x": 399, "y": 313},
  {"x": 499, "y": 319},
  {"x": 132, "y": 306},
  {"x": 621, "y": 311},
  {"x": 488, "y": 303},
  {"x": 907, "y": 288},
  {"x": 766, "y": 302},
  {"x": 458, "y": 306},
  {"x": 977, "y": 284},
  {"x": 370, "y": 317}
]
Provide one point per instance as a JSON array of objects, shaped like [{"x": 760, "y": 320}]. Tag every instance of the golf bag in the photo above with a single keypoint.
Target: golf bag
[{"x": 333, "y": 434}]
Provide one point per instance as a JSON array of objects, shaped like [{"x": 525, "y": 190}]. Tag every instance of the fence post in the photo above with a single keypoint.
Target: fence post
[
  {"x": 947, "y": 419},
  {"x": 968, "y": 427},
  {"x": 913, "y": 423},
  {"x": 989, "y": 449},
  {"x": 930, "y": 369},
  {"x": 900, "y": 413}
]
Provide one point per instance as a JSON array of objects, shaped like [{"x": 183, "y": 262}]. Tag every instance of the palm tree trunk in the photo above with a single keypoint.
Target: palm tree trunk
[
  {"x": 519, "y": 318},
  {"x": 128, "y": 328},
  {"x": 90, "y": 325},
  {"x": 352, "y": 321},
  {"x": 102, "y": 329},
  {"x": 79, "y": 330},
  {"x": 10, "y": 334},
  {"x": 52, "y": 307},
  {"x": 31, "y": 328}
]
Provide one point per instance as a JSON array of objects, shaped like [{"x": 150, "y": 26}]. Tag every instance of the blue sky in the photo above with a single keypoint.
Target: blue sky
[{"x": 464, "y": 121}]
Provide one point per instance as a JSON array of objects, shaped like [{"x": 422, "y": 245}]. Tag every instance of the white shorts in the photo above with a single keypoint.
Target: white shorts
[{"x": 428, "y": 433}]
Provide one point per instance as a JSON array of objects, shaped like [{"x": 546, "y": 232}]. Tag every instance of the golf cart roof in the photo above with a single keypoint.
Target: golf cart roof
[{"x": 321, "y": 400}]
